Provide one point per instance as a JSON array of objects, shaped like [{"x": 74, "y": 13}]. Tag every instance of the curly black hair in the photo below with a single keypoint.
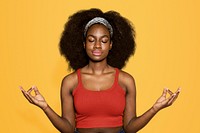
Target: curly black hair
[{"x": 72, "y": 38}]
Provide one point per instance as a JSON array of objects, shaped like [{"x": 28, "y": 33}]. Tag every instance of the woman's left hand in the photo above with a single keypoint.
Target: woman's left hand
[{"x": 163, "y": 101}]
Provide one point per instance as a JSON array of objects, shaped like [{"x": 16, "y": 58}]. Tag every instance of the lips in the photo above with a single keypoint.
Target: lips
[{"x": 96, "y": 52}]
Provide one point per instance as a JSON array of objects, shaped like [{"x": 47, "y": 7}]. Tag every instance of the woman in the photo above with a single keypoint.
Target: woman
[{"x": 98, "y": 97}]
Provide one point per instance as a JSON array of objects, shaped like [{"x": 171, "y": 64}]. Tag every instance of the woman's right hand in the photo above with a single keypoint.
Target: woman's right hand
[{"x": 36, "y": 99}]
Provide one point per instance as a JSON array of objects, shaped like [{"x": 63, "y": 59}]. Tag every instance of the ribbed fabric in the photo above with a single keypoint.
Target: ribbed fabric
[{"x": 99, "y": 108}]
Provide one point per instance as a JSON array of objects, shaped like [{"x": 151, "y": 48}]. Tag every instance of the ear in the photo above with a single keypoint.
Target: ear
[
  {"x": 110, "y": 45},
  {"x": 84, "y": 44}
]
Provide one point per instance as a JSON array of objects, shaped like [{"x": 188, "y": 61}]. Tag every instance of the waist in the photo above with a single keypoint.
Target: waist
[
  {"x": 100, "y": 130},
  {"x": 98, "y": 122}
]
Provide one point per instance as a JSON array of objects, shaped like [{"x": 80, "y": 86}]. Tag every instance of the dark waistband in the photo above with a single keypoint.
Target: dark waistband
[{"x": 121, "y": 131}]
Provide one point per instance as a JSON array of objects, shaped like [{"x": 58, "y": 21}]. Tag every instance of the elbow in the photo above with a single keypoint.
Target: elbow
[
  {"x": 129, "y": 129},
  {"x": 67, "y": 131}
]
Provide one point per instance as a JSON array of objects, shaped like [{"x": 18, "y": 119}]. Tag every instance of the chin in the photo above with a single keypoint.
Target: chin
[{"x": 97, "y": 59}]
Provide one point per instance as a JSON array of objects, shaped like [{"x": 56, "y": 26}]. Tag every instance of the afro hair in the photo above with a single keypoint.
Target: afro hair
[{"x": 72, "y": 38}]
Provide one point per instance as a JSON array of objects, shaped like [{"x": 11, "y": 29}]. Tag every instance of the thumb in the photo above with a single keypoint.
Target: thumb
[
  {"x": 164, "y": 92},
  {"x": 35, "y": 90}
]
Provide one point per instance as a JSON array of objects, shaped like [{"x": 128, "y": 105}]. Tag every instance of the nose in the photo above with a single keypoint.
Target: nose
[{"x": 97, "y": 44}]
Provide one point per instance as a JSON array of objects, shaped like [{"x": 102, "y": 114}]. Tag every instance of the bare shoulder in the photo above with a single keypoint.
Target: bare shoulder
[
  {"x": 70, "y": 81},
  {"x": 125, "y": 77},
  {"x": 126, "y": 80}
]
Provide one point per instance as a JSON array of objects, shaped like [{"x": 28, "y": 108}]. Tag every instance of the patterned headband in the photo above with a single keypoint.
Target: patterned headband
[{"x": 99, "y": 20}]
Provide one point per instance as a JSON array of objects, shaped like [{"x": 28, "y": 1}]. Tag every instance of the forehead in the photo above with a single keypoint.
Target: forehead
[{"x": 98, "y": 28}]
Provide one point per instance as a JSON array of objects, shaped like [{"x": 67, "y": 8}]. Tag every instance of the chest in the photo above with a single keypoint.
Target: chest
[
  {"x": 108, "y": 102},
  {"x": 97, "y": 82}
]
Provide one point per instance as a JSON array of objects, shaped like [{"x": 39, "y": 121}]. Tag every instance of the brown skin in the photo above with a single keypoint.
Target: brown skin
[{"x": 98, "y": 76}]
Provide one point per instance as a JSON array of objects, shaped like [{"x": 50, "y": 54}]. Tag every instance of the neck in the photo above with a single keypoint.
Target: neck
[{"x": 98, "y": 67}]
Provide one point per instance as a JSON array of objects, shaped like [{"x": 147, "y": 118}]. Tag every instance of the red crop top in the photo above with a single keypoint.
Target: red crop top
[{"x": 95, "y": 109}]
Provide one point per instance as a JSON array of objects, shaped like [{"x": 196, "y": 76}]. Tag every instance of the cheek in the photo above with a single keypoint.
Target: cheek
[
  {"x": 88, "y": 47},
  {"x": 106, "y": 46}
]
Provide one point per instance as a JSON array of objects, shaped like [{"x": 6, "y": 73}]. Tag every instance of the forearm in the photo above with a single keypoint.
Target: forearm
[
  {"x": 62, "y": 124},
  {"x": 138, "y": 123}
]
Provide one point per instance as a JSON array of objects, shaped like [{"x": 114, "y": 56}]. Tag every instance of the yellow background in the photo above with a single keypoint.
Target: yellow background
[{"x": 167, "y": 55}]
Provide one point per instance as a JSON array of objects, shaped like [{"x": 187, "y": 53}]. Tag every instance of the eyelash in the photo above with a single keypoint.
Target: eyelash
[
  {"x": 104, "y": 41},
  {"x": 89, "y": 40}
]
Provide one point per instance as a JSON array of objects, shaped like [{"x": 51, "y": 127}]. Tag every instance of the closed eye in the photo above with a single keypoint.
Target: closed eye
[
  {"x": 91, "y": 40},
  {"x": 104, "y": 41}
]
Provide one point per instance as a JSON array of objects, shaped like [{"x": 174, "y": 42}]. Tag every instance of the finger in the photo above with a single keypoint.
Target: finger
[
  {"x": 173, "y": 99},
  {"x": 170, "y": 92},
  {"x": 31, "y": 99},
  {"x": 36, "y": 90},
  {"x": 176, "y": 96},
  {"x": 29, "y": 91},
  {"x": 26, "y": 95},
  {"x": 21, "y": 88},
  {"x": 164, "y": 92},
  {"x": 170, "y": 97},
  {"x": 178, "y": 90}
]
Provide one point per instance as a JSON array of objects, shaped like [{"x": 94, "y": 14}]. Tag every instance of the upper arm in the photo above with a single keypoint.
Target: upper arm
[
  {"x": 128, "y": 83},
  {"x": 67, "y": 86}
]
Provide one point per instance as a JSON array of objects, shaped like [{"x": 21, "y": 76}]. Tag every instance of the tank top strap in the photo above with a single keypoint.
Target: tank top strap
[
  {"x": 116, "y": 75},
  {"x": 79, "y": 75},
  {"x": 78, "y": 72}
]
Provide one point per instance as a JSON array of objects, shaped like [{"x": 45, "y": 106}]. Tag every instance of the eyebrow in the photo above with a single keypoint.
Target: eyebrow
[{"x": 100, "y": 37}]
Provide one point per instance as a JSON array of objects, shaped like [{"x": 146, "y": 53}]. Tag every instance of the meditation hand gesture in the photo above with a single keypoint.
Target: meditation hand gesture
[
  {"x": 163, "y": 101},
  {"x": 36, "y": 99}
]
